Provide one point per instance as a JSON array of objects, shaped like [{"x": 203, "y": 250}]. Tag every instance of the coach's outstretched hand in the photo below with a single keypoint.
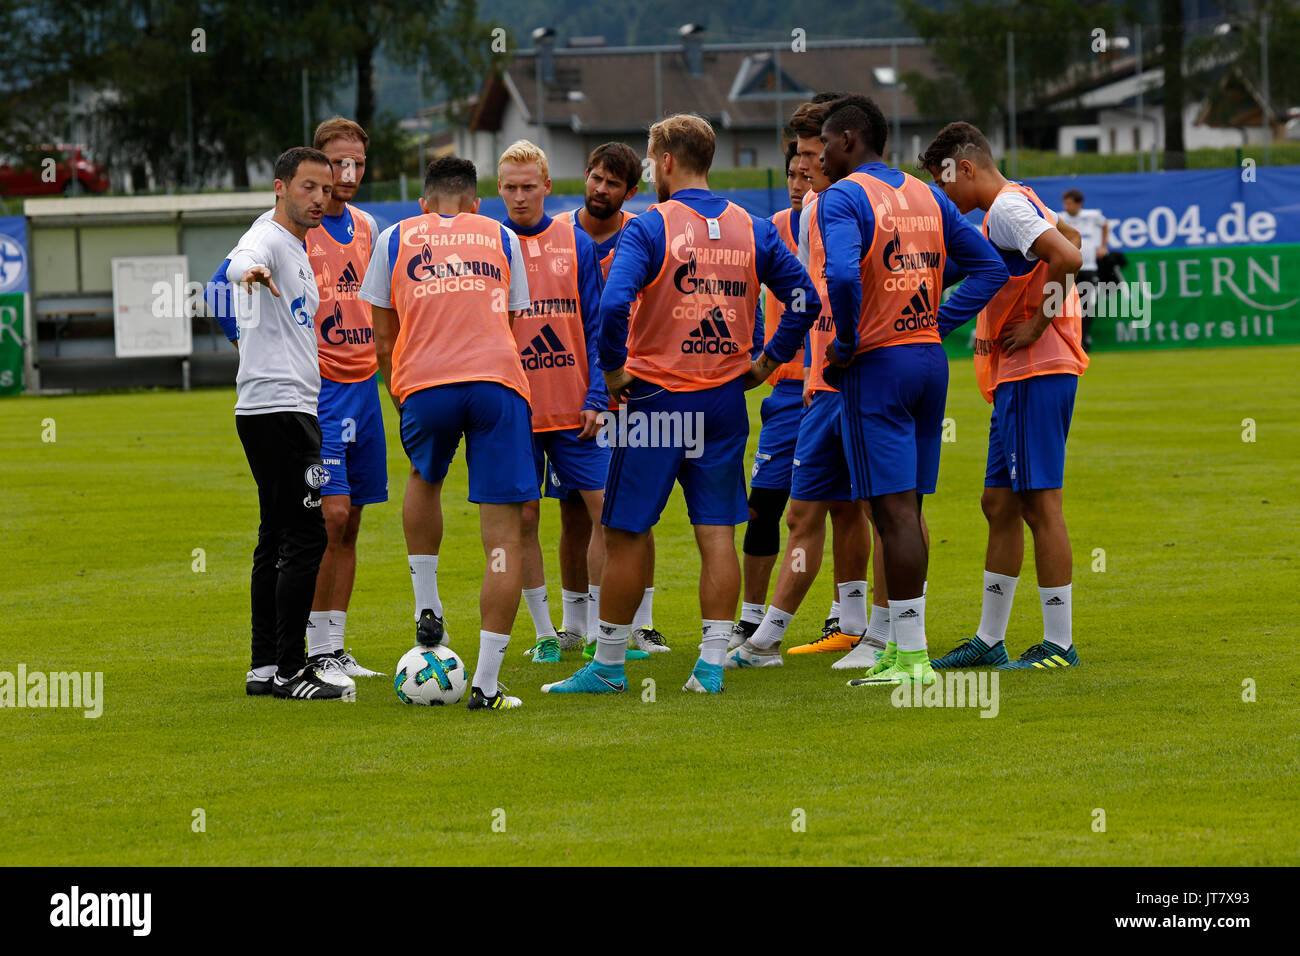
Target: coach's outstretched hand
[{"x": 259, "y": 274}]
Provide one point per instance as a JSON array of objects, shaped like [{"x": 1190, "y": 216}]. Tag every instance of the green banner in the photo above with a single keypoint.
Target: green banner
[
  {"x": 1185, "y": 298},
  {"x": 11, "y": 343}
]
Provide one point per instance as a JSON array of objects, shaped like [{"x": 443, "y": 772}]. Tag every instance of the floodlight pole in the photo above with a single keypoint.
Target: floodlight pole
[
  {"x": 898, "y": 122},
  {"x": 1141, "y": 113},
  {"x": 1263, "y": 61},
  {"x": 1011, "y": 103}
]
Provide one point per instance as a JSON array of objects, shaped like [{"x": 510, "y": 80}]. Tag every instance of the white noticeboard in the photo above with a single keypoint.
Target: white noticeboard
[{"x": 151, "y": 315}]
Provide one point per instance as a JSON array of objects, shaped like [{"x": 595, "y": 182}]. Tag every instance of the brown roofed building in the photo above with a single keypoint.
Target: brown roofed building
[{"x": 587, "y": 94}]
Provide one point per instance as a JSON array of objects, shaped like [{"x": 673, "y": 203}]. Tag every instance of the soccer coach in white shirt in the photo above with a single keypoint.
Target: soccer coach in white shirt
[
  {"x": 1094, "y": 231},
  {"x": 275, "y": 415}
]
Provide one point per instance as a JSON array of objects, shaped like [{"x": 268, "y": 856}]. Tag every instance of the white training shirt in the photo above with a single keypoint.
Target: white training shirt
[
  {"x": 1090, "y": 223},
  {"x": 279, "y": 370},
  {"x": 1015, "y": 225}
]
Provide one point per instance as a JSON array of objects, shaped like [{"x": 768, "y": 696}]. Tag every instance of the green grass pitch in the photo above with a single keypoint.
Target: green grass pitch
[{"x": 1198, "y": 595}]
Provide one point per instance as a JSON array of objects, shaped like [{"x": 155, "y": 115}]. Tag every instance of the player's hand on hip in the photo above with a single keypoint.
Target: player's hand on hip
[
  {"x": 1017, "y": 337},
  {"x": 758, "y": 373},
  {"x": 590, "y": 424},
  {"x": 833, "y": 357},
  {"x": 618, "y": 382},
  {"x": 259, "y": 275}
]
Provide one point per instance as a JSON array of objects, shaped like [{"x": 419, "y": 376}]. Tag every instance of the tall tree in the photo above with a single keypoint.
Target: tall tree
[
  {"x": 444, "y": 38},
  {"x": 968, "y": 38}
]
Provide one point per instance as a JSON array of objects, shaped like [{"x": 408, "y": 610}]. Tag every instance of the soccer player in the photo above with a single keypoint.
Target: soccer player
[
  {"x": 352, "y": 426},
  {"x": 1028, "y": 359},
  {"x": 613, "y": 171},
  {"x": 819, "y": 483},
  {"x": 769, "y": 486},
  {"x": 444, "y": 288},
  {"x": 556, "y": 337},
  {"x": 694, "y": 263},
  {"x": 885, "y": 237},
  {"x": 275, "y": 415}
]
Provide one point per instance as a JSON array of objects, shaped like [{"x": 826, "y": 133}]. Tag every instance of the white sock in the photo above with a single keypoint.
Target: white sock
[
  {"x": 611, "y": 643},
  {"x": 835, "y": 606},
  {"x": 908, "y": 621},
  {"x": 644, "y": 616},
  {"x": 575, "y": 612},
  {"x": 853, "y": 607},
  {"x": 713, "y": 649},
  {"x": 751, "y": 613},
  {"x": 491, "y": 652},
  {"x": 772, "y": 630},
  {"x": 540, "y": 611},
  {"x": 338, "y": 621},
  {"x": 1057, "y": 605},
  {"x": 593, "y": 612},
  {"x": 999, "y": 592},
  {"x": 318, "y": 633},
  {"x": 878, "y": 627},
  {"x": 424, "y": 579},
  {"x": 265, "y": 672}
]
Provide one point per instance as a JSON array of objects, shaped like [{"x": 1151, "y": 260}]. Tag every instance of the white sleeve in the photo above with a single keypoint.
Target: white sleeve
[
  {"x": 1014, "y": 224},
  {"x": 251, "y": 250},
  {"x": 803, "y": 236},
  {"x": 377, "y": 286},
  {"x": 370, "y": 220},
  {"x": 519, "y": 299}
]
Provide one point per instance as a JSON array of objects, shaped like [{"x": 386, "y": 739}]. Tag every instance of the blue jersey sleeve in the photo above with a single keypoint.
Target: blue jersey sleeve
[
  {"x": 590, "y": 287},
  {"x": 844, "y": 218},
  {"x": 640, "y": 251},
  {"x": 789, "y": 281},
  {"x": 220, "y": 300}
]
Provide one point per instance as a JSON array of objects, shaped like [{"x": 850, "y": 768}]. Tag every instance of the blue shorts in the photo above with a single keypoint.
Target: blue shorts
[
  {"x": 352, "y": 447},
  {"x": 1031, "y": 419},
  {"x": 564, "y": 462},
  {"x": 498, "y": 430},
  {"x": 695, "y": 438},
  {"x": 894, "y": 400},
  {"x": 821, "y": 472},
  {"x": 776, "y": 439}
]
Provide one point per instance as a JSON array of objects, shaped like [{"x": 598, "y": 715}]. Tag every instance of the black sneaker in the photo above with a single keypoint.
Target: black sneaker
[
  {"x": 311, "y": 684},
  {"x": 741, "y": 631},
  {"x": 479, "y": 701},
  {"x": 255, "y": 686},
  {"x": 430, "y": 629}
]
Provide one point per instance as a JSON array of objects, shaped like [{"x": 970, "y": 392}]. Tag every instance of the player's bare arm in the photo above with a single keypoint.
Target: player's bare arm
[
  {"x": 1070, "y": 233},
  {"x": 759, "y": 370},
  {"x": 1063, "y": 261},
  {"x": 386, "y": 325}
]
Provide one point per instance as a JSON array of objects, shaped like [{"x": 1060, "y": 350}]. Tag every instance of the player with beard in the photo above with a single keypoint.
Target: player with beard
[{"x": 693, "y": 264}]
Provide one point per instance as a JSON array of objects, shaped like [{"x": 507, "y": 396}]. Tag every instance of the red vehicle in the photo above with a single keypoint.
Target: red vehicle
[{"x": 28, "y": 173}]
